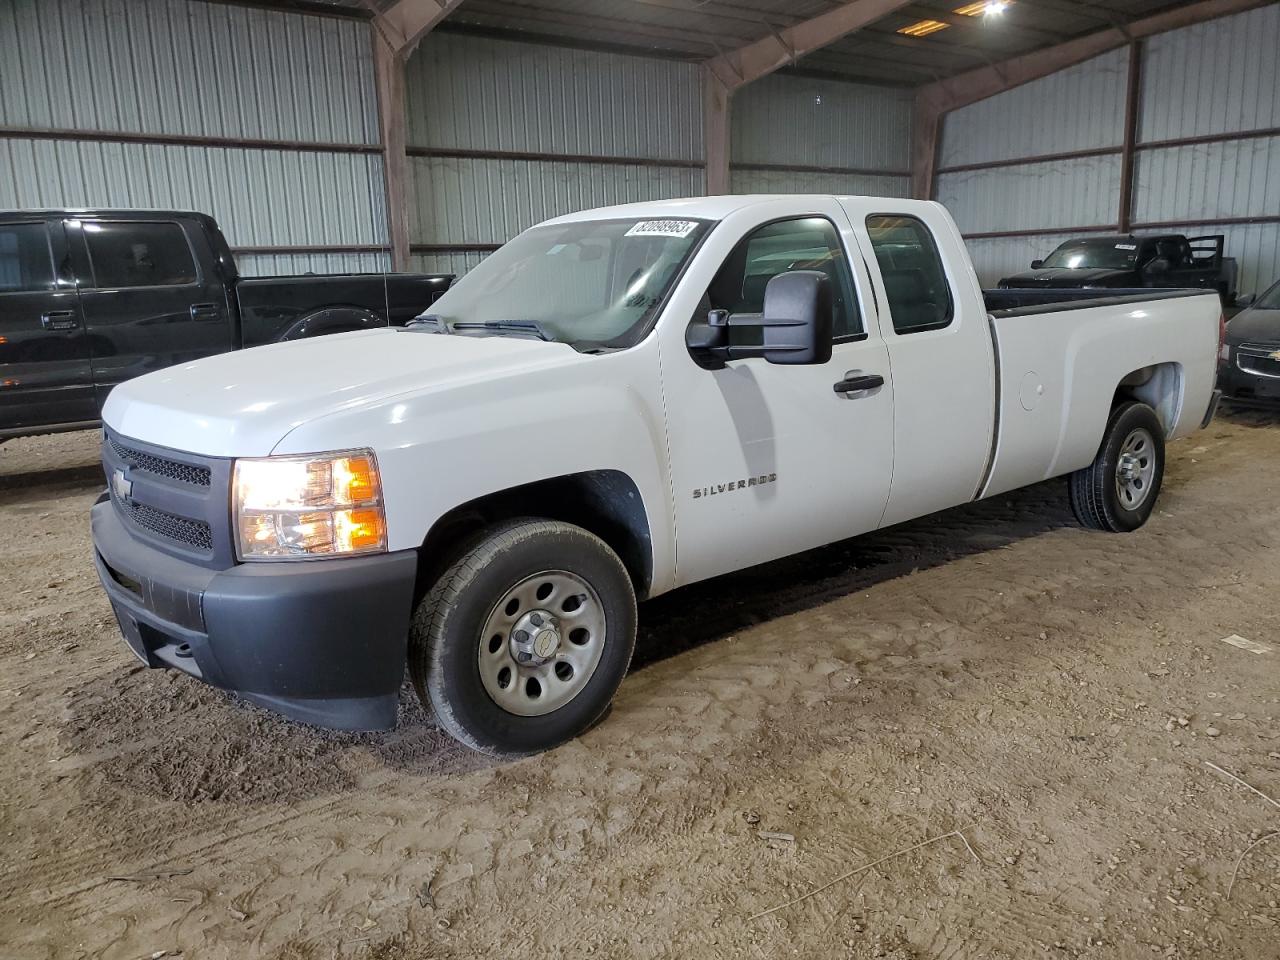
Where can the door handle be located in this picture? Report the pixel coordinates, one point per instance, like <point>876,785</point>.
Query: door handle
<point>855,382</point>
<point>205,311</point>
<point>59,320</point>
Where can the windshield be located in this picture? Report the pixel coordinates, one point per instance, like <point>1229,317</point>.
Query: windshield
<point>593,284</point>
<point>1094,255</point>
<point>1269,300</point>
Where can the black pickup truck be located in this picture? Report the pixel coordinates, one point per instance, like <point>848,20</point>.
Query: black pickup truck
<point>89,298</point>
<point>1170,260</point>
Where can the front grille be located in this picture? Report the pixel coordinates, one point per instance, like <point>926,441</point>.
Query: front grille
<point>162,467</point>
<point>193,533</point>
<point>1258,360</point>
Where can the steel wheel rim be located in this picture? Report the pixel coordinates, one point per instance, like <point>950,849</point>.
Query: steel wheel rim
<point>1136,468</point>
<point>542,642</point>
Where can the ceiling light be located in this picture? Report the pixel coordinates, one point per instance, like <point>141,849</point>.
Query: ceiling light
<point>983,8</point>
<point>922,28</point>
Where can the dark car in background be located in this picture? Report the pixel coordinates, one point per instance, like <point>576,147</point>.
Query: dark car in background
<point>90,298</point>
<point>1169,260</point>
<point>1249,371</point>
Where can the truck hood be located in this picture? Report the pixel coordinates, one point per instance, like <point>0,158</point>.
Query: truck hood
<point>1064,277</point>
<point>242,404</point>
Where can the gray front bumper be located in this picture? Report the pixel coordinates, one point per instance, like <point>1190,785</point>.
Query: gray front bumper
<point>322,641</point>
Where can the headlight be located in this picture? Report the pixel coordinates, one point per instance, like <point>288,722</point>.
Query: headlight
<point>292,508</point>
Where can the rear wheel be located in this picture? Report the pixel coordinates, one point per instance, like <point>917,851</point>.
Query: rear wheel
<point>1118,491</point>
<point>522,642</point>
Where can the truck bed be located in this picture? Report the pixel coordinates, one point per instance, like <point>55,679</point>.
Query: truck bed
<point>271,306</point>
<point>1025,301</point>
<point>1059,362</point>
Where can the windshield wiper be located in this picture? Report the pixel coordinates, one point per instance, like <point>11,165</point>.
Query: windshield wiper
<point>520,326</point>
<point>424,319</point>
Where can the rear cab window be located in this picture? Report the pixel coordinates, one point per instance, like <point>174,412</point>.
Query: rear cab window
<point>139,254</point>
<point>915,280</point>
<point>26,261</point>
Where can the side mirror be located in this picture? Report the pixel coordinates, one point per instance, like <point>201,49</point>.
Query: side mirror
<point>799,316</point>
<point>1037,264</point>
<point>1157,267</point>
<point>797,324</point>
<point>1246,301</point>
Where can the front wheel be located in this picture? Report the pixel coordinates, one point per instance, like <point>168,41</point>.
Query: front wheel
<point>1118,491</point>
<point>523,641</point>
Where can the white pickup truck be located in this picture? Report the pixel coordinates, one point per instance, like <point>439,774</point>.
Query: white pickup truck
<point>615,404</point>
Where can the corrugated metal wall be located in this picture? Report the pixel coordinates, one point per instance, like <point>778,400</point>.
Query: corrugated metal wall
<point>1214,80</point>
<point>800,135</point>
<point>1081,108</point>
<point>198,70</point>
<point>1052,195</point>
<point>566,112</point>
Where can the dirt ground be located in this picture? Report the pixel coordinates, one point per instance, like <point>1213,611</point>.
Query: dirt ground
<point>1051,694</point>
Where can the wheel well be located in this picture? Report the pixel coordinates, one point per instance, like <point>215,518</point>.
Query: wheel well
<point>605,502</point>
<point>1159,386</point>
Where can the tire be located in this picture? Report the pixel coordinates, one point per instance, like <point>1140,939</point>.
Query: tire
<point>493,605</point>
<point>1118,491</point>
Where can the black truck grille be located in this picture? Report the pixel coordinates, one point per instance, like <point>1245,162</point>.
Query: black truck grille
<point>178,502</point>
<point>1259,359</point>
<point>194,533</point>
<point>162,467</point>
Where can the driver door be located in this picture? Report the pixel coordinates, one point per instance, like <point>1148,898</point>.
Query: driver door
<point>769,460</point>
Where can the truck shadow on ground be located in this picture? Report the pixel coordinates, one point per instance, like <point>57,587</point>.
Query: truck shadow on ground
<point>163,735</point>
<point>715,609</point>
<point>36,486</point>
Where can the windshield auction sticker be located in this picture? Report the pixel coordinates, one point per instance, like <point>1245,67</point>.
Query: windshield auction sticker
<point>663,228</point>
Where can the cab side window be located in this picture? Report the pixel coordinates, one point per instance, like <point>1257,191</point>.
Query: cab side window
<point>914,279</point>
<point>25,260</point>
<point>809,243</point>
<point>139,254</point>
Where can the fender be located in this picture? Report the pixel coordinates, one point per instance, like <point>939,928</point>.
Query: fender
<point>328,320</point>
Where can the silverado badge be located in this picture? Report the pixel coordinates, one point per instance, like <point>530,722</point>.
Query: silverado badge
<point>718,488</point>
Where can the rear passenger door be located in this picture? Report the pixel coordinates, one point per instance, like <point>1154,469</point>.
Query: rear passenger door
<point>153,297</point>
<point>45,378</point>
<point>940,351</point>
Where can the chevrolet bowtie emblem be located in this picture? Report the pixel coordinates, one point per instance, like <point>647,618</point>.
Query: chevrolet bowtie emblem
<point>1274,355</point>
<point>121,484</point>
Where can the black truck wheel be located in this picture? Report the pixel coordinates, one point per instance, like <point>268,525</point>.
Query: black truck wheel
<point>522,642</point>
<point>1118,491</point>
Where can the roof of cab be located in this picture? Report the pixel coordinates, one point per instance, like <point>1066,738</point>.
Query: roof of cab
<point>702,208</point>
<point>123,213</point>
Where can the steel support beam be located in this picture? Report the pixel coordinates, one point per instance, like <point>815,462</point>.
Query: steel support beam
<point>408,21</point>
<point>739,67</point>
<point>926,132</point>
<point>1132,106</point>
<point>717,100</point>
<point>935,100</point>
<point>388,68</point>
<point>726,73</point>
<point>397,31</point>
